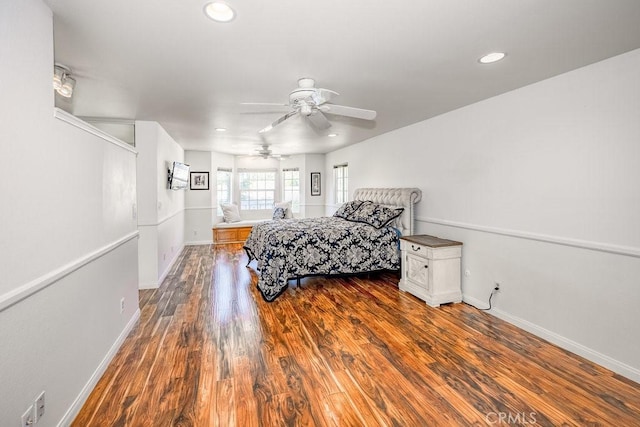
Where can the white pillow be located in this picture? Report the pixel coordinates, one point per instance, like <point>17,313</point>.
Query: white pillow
<point>230,212</point>
<point>286,206</point>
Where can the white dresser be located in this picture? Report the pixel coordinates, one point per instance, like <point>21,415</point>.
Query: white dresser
<point>431,269</point>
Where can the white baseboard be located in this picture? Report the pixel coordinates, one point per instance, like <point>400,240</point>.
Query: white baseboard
<point>165,273</point>
<point>563,342</point>
<point>148,285</point>
<point>73,411</point>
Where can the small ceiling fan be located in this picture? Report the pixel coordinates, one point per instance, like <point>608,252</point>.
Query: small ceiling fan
<point>266,153</point>
<point>313,103</point>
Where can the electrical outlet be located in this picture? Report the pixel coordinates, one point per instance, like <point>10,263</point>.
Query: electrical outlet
<point>29,417</point>
<point>39,409</point>
<point>121,305</point>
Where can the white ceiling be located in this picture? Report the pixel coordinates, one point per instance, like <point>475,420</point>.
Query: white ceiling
<point>163,60</point>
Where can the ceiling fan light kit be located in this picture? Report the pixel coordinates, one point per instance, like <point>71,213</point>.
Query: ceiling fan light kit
<point>311,102</point>
<point>305,109</point>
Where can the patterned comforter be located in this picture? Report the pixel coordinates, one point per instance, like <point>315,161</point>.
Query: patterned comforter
<point>292,248</point>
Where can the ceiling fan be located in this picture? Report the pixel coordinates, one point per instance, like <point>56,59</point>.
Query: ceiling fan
<point>266,153</point>
<point>313,103</point>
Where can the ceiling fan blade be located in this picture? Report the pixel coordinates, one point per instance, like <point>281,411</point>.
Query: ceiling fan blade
<point>265,107</point>
<point>320,96</point>
<point>318,120</point>
<point>341,110</point>
<point>269,104</point>
<point>277,122</point>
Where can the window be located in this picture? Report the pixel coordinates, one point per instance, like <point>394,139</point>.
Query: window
<point>341,183</point>
<point>291,188</point>
<point>223,179</point>
<point>257,189</point>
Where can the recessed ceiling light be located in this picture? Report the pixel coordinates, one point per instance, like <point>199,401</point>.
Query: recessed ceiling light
<point>332,135</point>
<point>221,129</point>
<point>219,11</point>
<point>492,57</point>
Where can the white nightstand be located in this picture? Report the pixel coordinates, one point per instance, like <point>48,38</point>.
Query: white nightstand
<point>431,269</point>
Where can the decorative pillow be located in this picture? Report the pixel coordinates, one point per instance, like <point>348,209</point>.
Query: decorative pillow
<point>396,223</point>
<point>287,208</point>
<point>230,212</point>
<point>347,209</point>
<point>279,213</point>
<point>375,214</point>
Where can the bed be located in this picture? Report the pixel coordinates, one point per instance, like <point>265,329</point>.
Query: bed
<point>358,240</point>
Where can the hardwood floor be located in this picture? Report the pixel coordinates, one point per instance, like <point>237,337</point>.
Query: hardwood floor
<point>356,351</point>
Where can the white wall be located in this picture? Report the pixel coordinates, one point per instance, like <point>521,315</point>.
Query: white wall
<point>542,186</point>
<point>199,212</point>
<point>201,206</point>
<point>218,160</point>
<point>69,239</point>
<point>314,205</point>
<point>161,210</point>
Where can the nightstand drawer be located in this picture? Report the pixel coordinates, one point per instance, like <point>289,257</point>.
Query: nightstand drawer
<point>414,248</point>
<point>430,252</point>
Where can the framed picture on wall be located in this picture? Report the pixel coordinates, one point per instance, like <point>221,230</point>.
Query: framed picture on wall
<point>315,183</point>
<point>199,180</point>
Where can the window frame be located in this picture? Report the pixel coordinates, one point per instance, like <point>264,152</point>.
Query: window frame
<point>294,191</point>
<point>264,203</point>
<point>341,183</point>
<point>229,199</point>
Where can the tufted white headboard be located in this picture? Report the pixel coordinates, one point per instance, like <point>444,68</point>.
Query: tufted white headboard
<point>396,197</point>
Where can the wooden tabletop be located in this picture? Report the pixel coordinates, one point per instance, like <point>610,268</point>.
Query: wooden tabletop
<point>431,241</point>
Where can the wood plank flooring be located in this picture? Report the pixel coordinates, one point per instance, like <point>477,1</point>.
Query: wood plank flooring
<point>354,351</point>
